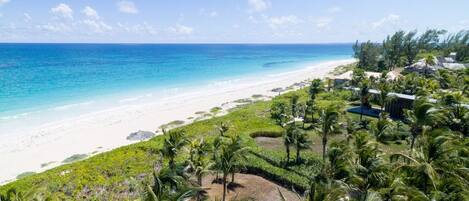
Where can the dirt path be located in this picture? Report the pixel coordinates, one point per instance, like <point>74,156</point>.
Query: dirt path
<point>248,187</point>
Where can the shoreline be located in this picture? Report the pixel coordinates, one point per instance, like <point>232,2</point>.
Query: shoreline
<point>101,131</point>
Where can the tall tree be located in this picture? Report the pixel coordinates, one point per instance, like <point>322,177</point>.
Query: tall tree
<point>364,95</point>
<point>429,61</point>
<point>278,111</point>
<point>328,121</point>
<point>173,142</point>
<point>393,49</point>
<point>288,139</point>
<point>301,142</point>
<point>419,117</point>
<point>410,47</point>
<point>294,105</point>
<point>314,89</point>
<point>368,54</point>
<point>230,154</point>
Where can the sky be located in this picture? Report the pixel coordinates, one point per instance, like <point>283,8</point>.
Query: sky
<point>223,21</point>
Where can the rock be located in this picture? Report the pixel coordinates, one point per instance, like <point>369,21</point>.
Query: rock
<point>140,135</point>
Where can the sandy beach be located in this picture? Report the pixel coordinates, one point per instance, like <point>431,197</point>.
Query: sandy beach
<point>48,145</point>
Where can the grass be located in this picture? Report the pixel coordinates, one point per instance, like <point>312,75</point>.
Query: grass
<point>172,124</point>
<point>74,158</point>
<point>25,174</point>
<point>215,110</point>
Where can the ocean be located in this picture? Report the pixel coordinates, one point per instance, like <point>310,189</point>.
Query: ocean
<point>47,82</point>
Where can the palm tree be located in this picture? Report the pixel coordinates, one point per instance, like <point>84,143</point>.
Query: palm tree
<point>278,111</point>
<point>371,171</point>
<point>328,121</point>
<point>384,98</point>
<point>173,142</point>
<point>288,139</point>
<point>429,61</point>
<point>435,159</point>
<point>364,94</point>
<point>216,145</point>
<point>315,88</point>
<point>382,129</point>
<point>199,163</point>
<point>301,141</point>
<point>229,156</point>
<point>420,116</point>
<point>223,128</point>
<point>323,188</point>
<point>294,105</point>
<point>167,186</point>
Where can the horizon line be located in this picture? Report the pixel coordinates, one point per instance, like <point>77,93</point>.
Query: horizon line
<point>177,43</point>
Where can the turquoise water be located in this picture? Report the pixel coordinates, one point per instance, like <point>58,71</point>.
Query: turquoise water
<point>48,77</point>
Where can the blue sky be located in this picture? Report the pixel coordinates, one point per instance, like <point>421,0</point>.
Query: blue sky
<point>223,21</point>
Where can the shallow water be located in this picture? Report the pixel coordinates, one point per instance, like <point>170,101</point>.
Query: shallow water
<point>45,82</point>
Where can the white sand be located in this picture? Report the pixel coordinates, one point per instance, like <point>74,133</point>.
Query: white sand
<point>105,130</point>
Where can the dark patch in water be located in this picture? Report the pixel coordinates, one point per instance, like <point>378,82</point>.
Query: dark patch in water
<point>275,63</point>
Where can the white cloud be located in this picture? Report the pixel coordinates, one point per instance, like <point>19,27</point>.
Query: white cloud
<point>97,26</point>
<point>235,26</point>
<point>140,29</point>
<point>127,7</point>
<point>282,21</point>
<point>181,29</point>
<point>26,17</point>
<point>4,2</point>
<point>390,19</point>
<point>213,14</point>
<point>258,5</point>
<point>90,12</point>
<point>334,9</point>
<point>204,12</point>
<point>56,27</point>
<point>322,22</point>
<point>63,10</point>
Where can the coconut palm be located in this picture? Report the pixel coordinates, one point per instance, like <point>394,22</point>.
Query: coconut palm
<point>301,141</point>
<point>288,139</point>
<point>173,142</point>
<point>371,171</point>
<point>435,159</point>
<point>294,105</point>
<point>314,89</point>
<point>230,154</point>
<point>384,97</point>
<point>429,61</point>
<point>328,121</point>
<point>456,116</point>
<point>325,189</point>
<point>420,116</point>
<point>216,145</point>
<point>364,95</point>
<point>197,160</point>
<point>382,129</point>
<point>168,186</point>
<point>223,128</point>
<point>278,111</point>
<point>200,166</point>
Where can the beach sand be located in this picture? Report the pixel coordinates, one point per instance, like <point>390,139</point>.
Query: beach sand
<point>47,146</point>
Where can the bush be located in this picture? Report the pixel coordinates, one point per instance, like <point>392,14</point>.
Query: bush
<point>273,134</point>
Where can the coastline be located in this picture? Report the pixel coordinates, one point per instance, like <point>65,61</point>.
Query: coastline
<point>105,130</point>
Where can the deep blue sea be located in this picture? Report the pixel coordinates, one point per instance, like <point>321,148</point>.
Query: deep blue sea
<point>43,77</point>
